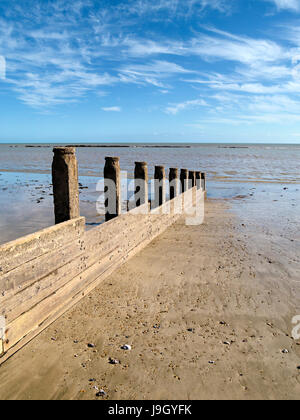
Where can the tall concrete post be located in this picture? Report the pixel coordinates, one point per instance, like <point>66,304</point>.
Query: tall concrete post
<point>174,183</point>
<point>184,180</point>
<point>65,184</point>
<point>112,187</point>
<point>160,185</point>
<point>203,181</point>
<point>198,180</point>
<point>141,183</point>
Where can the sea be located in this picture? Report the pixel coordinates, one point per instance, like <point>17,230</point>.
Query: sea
<point>234,171</point>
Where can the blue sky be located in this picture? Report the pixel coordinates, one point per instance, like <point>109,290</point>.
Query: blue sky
<point>150,70</point>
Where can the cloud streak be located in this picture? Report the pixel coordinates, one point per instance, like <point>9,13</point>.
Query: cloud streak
<point>62,52</point>
<point>176,108</point>
<point>112,109</point>
<point>292,5</point>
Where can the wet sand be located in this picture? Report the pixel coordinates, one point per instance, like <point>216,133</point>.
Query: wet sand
<point>207,310</point>
<point>26,203</point>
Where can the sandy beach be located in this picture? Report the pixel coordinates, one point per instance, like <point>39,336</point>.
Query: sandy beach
<point>149,202</point>
<point>207,311</point>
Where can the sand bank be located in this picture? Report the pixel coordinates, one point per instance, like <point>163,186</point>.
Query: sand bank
<point>221,292</point>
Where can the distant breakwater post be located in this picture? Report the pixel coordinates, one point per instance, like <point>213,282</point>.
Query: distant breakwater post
<point>184,179</point>
<point>44,274</point>
<point>159,186</point>
<point>65,184</point>
<point>174,183</point>
<point>203,181</point>
<point>141,184</point>
<point>112,188</point>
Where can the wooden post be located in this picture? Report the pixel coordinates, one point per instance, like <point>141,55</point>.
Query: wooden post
<point>174,183</point>
<point>112,187</point>
<point>160,185</point>
<point>65,184</point>
<point>203,181</point>
<point>198,180</point>
<point>184,178</point>
<point>141,183</point>
<point>192,179</point>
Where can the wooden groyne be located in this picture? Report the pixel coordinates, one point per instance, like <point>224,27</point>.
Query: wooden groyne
<point>43,274</point>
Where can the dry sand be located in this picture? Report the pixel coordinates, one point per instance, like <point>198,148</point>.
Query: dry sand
<point>177,303</point>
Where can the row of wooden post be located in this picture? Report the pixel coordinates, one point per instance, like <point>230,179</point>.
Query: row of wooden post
<point>66,191</point>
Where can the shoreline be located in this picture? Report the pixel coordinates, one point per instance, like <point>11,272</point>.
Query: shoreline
<point>131,176</point>
<point>26,202</point>
<point>227,281</point>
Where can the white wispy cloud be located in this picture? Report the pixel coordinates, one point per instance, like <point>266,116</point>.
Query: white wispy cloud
<point>112,109</point>
<point>2,67</point>
<point>293,5</point>
<point>175,108</point>
<point>68,57</point>
<point>72,48</point>
<point>245,50</point>
<point>234,109</point>
<point>153,73</point>
<point>174,7</point>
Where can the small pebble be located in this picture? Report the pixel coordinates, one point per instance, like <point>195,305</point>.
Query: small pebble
<point>113,361</point>
<point>91,346</point>
<point>211,362</point>
<point>285,351</point>
<point>126,347</point>
<point>101,393</point>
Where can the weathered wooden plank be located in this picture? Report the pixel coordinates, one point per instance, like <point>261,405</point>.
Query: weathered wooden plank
<point>31,320</point>
<point>103,251</point>
<point>10,350</point>
<point>27,274</point>
<point>113,227</point>
<point>18,252</point>
<point>21,302</point>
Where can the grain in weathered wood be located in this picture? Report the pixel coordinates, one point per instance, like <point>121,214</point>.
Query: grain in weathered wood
<point>103,250</point>
<point>18,252</point>
<point>14,306</point>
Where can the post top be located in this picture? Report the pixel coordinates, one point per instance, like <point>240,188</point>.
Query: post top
<point>159,172</point>
<point>110,159</point>
<point>184,171</point>
<point>141,163</point>
<point>174,170</point>
<point>60,150</point>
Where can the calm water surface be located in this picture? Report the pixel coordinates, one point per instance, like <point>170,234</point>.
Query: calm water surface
<point>247,171</point>
<point>279,163</point>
